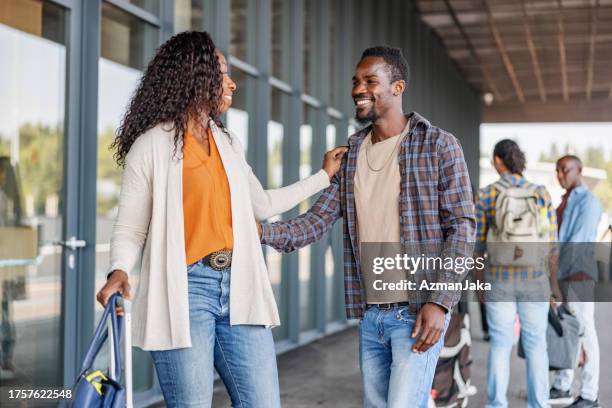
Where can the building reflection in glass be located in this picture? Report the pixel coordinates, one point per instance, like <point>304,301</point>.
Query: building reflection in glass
<point>33,83</point>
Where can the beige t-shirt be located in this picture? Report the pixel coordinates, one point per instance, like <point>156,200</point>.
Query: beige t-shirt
<point>377,191</point>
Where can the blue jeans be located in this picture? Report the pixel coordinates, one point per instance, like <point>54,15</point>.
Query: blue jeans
<point>392,374</point>
<point>243,355</point>
<point>534,322</point>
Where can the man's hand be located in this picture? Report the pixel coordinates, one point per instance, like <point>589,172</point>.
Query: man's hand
<point>430,324</point>
<point>556,294</point>
<point>333,159</point>
<point>259,230</point>
<point>117,282</point>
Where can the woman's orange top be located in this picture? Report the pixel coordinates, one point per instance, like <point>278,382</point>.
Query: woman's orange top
<point>207,207</point>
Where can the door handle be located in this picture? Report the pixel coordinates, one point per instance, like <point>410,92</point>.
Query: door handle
<point>72,243</point>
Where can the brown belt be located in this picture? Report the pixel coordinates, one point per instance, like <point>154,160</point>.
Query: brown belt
<point>386,306</point>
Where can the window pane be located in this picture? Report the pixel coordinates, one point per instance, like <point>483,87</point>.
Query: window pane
<point>333,47</point>
<point>334,289</point>
<point>127,45</point>
<point>33,83</point>
<point>239,18</point>
<point>351,130</point>
<point>237,115</point>
<point>280,19</point>
<point>308,45</point>
<point>151,6</point>
<point>337,133</point>
<point>126,40</point>
<point>275,138</point>
<point>330,143</point>
<point>307,320</point>
<point>330,294</point>
<point>188,15</point>
<point>330,137</point>
<point>276,132</point>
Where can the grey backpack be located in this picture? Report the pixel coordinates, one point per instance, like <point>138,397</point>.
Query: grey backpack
<point>564,337</point>
<point>520,227</point>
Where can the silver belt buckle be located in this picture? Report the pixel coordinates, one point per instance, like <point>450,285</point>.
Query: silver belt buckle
<point>220,260</point>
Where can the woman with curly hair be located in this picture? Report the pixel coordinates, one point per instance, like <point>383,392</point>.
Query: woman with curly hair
<point>188,209</point>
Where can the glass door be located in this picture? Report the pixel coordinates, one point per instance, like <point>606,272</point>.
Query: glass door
<point>33,47</point>
<point>127,44</point>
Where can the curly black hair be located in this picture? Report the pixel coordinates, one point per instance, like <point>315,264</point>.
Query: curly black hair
<point>393,56</point>
<point>182,81</point>
<point>511,155</point>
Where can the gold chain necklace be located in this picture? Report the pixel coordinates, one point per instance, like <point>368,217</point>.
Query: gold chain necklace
<point>399,138</point>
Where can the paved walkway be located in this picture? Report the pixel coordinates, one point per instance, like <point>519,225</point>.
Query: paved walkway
<point>326,373</point>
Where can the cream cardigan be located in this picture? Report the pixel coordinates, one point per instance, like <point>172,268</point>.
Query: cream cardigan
<point>150,223</point>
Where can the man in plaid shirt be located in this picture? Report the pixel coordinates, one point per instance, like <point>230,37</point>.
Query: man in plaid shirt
<point>403,180</point>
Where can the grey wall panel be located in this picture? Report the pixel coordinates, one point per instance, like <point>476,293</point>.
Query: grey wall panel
<point>436,88</point>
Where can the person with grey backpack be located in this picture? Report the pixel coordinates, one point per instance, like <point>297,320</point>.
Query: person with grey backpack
<point>516,232</point>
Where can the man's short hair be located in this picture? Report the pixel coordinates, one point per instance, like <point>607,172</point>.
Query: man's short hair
<point>573,158</point>
<point>398,66</point>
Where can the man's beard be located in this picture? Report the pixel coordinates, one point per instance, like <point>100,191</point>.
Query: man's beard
<point>369,118</point>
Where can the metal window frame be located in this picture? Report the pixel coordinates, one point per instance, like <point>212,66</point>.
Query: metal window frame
<point>334,113</point>
<point>236,62</point>
<point>310,101</point>
<point>76,319</point>
<point>282,85</point>
<point>68,276</point>
<point>136,11</point>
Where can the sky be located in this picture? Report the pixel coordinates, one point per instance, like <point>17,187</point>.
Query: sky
<point>32,80</point>
<point>536,138</point>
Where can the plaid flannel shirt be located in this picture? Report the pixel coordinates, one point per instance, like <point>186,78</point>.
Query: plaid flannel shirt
<point>435,204</point>
<point>485,216</point>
